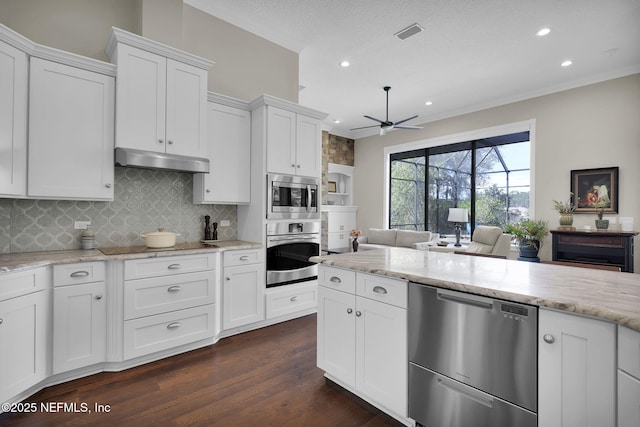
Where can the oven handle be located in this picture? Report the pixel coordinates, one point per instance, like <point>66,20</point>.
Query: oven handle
<point>288,238</point>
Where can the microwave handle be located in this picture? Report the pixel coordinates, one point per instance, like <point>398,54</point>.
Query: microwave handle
<point>308,198</point>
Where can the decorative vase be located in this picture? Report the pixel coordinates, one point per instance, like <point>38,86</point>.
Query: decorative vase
<point>566,219</point>
<point>602,224</point>
<point>355,244</point>
<point>529,251</point>
<point>341,188</point>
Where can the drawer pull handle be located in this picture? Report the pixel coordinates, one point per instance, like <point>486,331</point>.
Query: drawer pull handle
<point>379,290</point>
<point>174,266</point>
<point>81,273</point>
<point>173,325</point>
<point>293,299</point>
<point>335,279</point>
<point>244,258</point>
<point>99,296</point>
<point>174,289</point>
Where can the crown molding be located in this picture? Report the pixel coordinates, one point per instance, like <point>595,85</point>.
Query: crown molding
<point>265,100</point>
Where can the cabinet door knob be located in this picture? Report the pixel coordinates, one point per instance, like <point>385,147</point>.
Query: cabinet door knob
<point>227,278</point>
<point>548,338</point>
<point>99,296</point>
<point>107,185</point>
<point>293,165</point>
<point>349,310</point>
<point>1,320</point>
<point>358,313</point>
<point>170,141</point>
<point>208,190</point>
<point>298,166</point>
<point>161,141</point>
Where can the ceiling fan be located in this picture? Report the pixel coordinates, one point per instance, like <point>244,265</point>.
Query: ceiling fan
<point>386,125</point>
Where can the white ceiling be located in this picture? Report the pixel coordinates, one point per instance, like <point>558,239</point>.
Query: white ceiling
<point>473,54</point>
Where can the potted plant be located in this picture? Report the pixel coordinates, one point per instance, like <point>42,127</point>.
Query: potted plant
<point>528,234</point>
<point>601,224</point>
<point>565,209</point>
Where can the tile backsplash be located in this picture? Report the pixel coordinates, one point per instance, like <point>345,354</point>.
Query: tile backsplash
<point>144,200</point>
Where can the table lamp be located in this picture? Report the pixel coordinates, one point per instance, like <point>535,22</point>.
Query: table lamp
<point>458,215</point>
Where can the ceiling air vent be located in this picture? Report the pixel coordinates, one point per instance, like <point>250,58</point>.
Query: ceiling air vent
<point>411,30</point>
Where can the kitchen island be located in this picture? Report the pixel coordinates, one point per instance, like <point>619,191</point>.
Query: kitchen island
<point>588,339</point>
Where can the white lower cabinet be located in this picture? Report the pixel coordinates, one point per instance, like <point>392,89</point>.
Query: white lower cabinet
<point>628,377</point>
<point>243,288</point>
<point>576,371</point>
<point>23,342</point>
<point>79,315</point>
<point>362,335</point>
<point>168,302</point>
<point>284,300</point>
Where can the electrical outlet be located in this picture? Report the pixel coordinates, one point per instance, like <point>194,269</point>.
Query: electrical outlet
<point>225,223</point>
<point>81,225</point>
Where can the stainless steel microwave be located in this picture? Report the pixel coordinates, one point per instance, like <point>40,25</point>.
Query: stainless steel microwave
<point>292,197</point>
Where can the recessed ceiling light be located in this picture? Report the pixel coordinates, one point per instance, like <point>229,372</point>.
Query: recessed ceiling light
<point>344,64</point>
<point>543,31</point>
<point>566,63</point>
<point>428,103</point>
<point>336,121</point>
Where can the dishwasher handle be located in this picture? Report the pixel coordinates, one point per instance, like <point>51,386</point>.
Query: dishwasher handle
<point>467,299</point>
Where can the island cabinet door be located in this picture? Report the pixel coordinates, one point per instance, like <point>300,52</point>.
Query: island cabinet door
<point>337,334</point>
<point>576,371</point>
<point>381,353</point>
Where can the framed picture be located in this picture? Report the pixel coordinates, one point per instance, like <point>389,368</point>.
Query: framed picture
<point>331,186</point>
<point>595,188</point>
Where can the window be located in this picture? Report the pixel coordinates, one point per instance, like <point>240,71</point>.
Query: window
<point>489,177</point>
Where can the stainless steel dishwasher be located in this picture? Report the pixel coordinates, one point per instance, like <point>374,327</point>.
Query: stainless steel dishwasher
<point>472,360</point>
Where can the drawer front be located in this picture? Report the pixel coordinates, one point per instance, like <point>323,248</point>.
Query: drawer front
<point>337,278</point>
<point>164,331</point>
<point>153,267</point>
<point>249,256</point>
<point>338,240</point>
<point>75,274</point>
<point>22,282</point>
<point>155,295</point>
<point>383,289</point>
<point>280,303</point>
<point>608,241</point>
<point>629,351</point>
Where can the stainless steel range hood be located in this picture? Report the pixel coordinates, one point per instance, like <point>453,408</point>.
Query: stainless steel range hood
<point>151,160</point>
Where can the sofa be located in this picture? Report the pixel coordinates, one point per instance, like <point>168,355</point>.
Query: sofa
<point>377,238</point>
<point>485,240</point>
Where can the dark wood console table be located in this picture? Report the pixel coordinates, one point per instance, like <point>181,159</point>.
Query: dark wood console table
<point>602,247</point>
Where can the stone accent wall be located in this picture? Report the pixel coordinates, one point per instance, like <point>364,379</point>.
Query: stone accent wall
<point>144,200</point>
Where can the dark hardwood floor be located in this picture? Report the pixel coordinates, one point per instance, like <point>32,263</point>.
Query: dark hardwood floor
<point>266,377</point>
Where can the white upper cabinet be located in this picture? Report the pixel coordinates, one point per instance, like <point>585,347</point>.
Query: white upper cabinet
<point>294,143</point>
<point>161,96</point>
<point>229,140</point>
<point>13,121</point>
<point>70,132</point>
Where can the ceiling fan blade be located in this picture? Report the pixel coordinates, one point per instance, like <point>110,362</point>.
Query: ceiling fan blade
<point>407,119</point>
<point>408,127</point>
<point>374,119</point>
<point>366,127</point>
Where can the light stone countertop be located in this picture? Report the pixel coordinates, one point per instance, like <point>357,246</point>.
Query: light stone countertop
<point>607,295</point>
<point>23,261</point>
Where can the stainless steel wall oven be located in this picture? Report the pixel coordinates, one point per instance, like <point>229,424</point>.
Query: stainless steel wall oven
<point>289,247</point>
<point>292,197</point>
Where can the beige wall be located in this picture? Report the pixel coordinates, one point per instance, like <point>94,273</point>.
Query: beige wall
<point>588,127</point>
<point>246,65</point>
